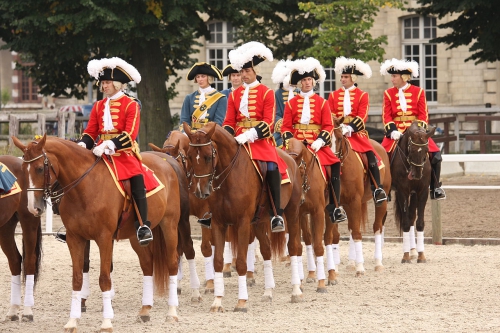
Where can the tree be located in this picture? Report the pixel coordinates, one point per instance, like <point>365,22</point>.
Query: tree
<point>4,98</point>
<point>344,30</point>
<point>477,23</point>
<point>157,37</point>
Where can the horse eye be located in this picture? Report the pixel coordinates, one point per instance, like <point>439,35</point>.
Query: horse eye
<point>208,159</point>
<point>39,169</point>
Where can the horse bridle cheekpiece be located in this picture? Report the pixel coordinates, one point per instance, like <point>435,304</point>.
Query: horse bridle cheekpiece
<point>411,143</point>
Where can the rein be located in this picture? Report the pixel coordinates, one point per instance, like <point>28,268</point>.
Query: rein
<point>405,157</point>
<point>342,147</point>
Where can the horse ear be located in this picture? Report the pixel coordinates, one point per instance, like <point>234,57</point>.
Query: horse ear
<point>430,131</point>
<point>211,129</point>
<point>19,144</point>
<point>187,129</point>
<point>175,152</point>
<point>155,147</point>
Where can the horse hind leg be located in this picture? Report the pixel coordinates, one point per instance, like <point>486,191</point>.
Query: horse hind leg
<point>8,244</point>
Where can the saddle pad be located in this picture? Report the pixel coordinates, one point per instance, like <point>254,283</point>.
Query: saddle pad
<point>8,181</point>
<point>15,189</point>
<point>282,166</point>
<point>151,182</point>
<point>364,165</point>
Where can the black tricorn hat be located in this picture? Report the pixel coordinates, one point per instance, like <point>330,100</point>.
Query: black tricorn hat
<point>351,70</point>
<point>229,70</point>
<point>204,68</point>
<point>113,69</point>
<point>115,74</point>
<point>295,76</point>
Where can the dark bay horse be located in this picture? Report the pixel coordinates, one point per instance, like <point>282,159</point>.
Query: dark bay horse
<point>90,209</point>
<point>356,192</point>
<point>225,176</point>
<point>411,177</point>
<point>14,209</point>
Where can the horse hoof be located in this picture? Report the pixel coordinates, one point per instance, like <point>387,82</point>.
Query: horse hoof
<point>144,319</point>
<point>244,310</point>
<point>84,308</point>
<point>310,280</point>
<point>360,274</point>
<point>332,282</point>
<point>379,268</point>
<point>12,318</point>
<point>421,261</point>
<point>321,290</point>
<point>209,291</point>
<point>172,319</point>
<point>226,274</point>
<point>179,291</point>
<point>233,269</point>
<point>196,299</point>
<point>70,330</point>
<point>350,268</point>
<point>287,264</point>
<point>266,298</point>
<point>106,330</point>
<point>27,318</point>
<point>250,282</point>
<point>215,309</point>
<point>297,298</point>
<point>406,261</point>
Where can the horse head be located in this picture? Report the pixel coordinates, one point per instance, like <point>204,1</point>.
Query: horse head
<point>202,156</point>
<point>36,168</point>
<point>176,145</point>
<point>416,140</point>
<point>337,134</point>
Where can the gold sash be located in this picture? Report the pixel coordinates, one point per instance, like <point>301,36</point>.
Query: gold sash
<point>206,105</point>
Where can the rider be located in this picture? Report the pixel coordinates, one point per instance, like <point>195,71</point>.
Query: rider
<point>234,77</point>
<point>250,117</point>
<point>403,104</point>
<point>116,120</point>
<point>204,105</point>
<point>352,103</point>
<point>307,118</point>
<point>281,96</point>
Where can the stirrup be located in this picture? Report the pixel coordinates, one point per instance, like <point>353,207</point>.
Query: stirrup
<point>338,215</point>
<point>438,194</point>
<point>144,235</point>
<point>379,196</point>
<point>277,224</point>
<point>206,220</point>
<point>60,236</point>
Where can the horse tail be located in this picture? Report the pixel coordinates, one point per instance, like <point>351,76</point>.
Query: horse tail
<point>38,254</point>
<point>397,213</point>
<point>160,266</point>
<point>364,216</point>
<point>278,242</point>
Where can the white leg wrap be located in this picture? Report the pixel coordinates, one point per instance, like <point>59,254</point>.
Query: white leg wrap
<point>76,305</point>
<point>336,254</point>
<point>268,274</point>
<point>242,287</point>
<point>300,268</point>
<point>378,246</point>
<point>320,268</point>
<point>352,249</point>
<point>173,300</point>
<point>107,309</point>
<point>359,252</point>
<point>29,300</point>
<point>311,266</point>
<point>219,284</point>
<point>15,290</point>
<point>406,242</point>
<point>251,257</point>
<point>295,270</point>
<point>228,254</point>
<point>420,241</point>
<point>194,281</point>
<point>412,237</point>
<point>85,293</point>
<point>180,275</point>
<point>147,290</point>
<point>209,268</point>
<point>330,263</point>
<point>287,237</point>
<point>213,253</point>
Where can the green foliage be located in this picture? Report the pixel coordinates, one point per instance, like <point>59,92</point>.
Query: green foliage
<point>4,98</point>
<point>344,30</point>
<point>476,26</point>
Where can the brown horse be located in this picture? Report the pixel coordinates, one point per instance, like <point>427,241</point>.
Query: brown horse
<point>225,176</point>
<point>93,214</point>
<point>314,200</point>
<point>13,209</point>
<point>356,192</point>
<point>411,177</point>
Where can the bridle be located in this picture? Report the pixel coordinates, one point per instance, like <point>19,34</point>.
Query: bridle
<point>212,175</point>
<point>343,150</point>
<point>405,157</point>
<point>183,159</point>
<point>55,196</point>
<point>303,164</point>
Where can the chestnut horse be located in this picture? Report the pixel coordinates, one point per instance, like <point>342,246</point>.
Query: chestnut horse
<point>13,209</point>
<point>411,177</point>
<point>356,192</point>
<point>225,176</point>
<point>91,207</point>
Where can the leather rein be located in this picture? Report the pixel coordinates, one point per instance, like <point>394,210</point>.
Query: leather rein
<point>405,157</point>
<point>183,159</point>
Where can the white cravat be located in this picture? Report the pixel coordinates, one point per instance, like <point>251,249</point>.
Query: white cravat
<point>204,91</point>
<point>402,98</point>
<point>347,100</point>
<point>244,99</point>
<point>306,108</point>
<point>291,94</point>
<point>108,121</point>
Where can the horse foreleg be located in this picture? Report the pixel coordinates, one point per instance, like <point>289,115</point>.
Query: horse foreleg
<point>413,244</point>
<point>218,233</point>
<point>194,282</point>
<point>207,251</point>
<point>228,259</point>
<point>422,200</point>
<point>8,244</point>
<point>378,252</point>
<point>251,264</point>
<point>105,245</point>
<point>351,263</point>
<point>331,240</point>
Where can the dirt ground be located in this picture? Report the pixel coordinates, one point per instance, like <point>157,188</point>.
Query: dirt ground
<point>453,292</point>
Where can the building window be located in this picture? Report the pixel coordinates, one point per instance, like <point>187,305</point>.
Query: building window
<point>417,32</point>
<point>329,84</point>
<point>218,47</point>
<point>29,91</point>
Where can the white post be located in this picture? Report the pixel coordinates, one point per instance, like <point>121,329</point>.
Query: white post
<point>48,217</point>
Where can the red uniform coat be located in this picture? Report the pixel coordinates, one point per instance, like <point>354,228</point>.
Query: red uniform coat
<point>416,109</point>
<point>320,115</point>
<point>360,105</point>
<point>126,119</point>
<point>261,107</point>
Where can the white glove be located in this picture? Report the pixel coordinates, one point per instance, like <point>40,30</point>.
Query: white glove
<point>250,135</point>
<point>317,144</point>
<point>82,144</point>
<point>396,135</point>
<point>107,147</point>
<point>347,130</point>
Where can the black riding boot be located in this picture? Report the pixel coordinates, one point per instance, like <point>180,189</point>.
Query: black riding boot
<point>144,234</point>
<point>437,193</point>
<point>206,220</point>
<point>274,181</point>
<point>379,195</point>
<point>337,213</point>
